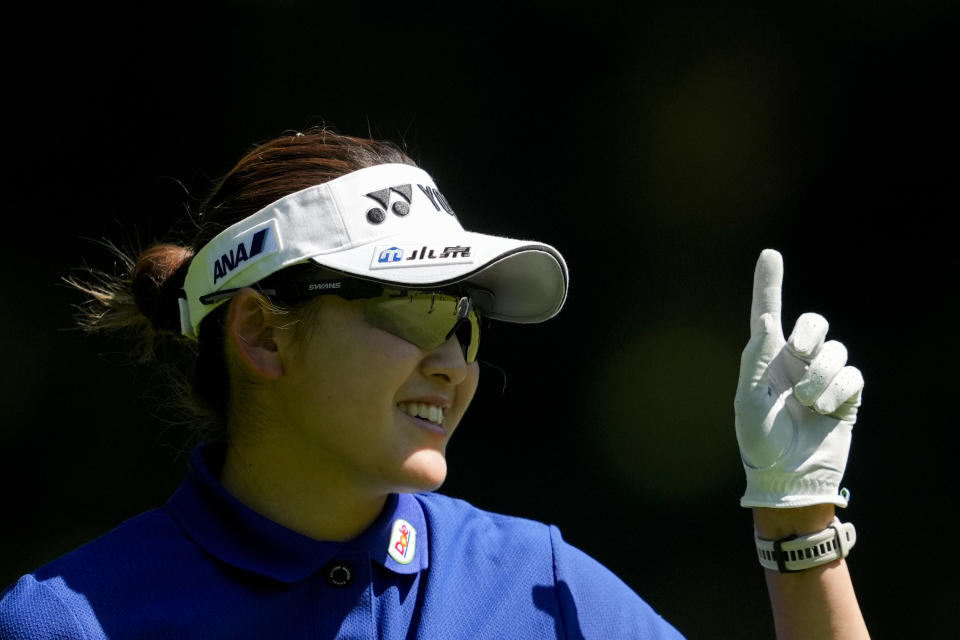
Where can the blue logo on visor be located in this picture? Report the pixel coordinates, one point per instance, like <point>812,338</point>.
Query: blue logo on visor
<point>393,254</point>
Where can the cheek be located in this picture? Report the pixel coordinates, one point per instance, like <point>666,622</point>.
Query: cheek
<point>465,393</point>
<point>357,370</point>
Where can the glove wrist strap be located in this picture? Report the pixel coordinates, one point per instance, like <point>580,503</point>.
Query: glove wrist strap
<point>797,553</point>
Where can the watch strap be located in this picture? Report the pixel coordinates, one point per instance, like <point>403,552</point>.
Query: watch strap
<point>796,553</point>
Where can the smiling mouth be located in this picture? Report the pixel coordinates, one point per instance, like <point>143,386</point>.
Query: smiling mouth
<point>430,412</point>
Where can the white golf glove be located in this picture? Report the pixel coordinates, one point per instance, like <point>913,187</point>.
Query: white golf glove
<point>796,403</point>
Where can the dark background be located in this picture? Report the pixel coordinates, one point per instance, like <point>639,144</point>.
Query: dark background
<point>659,147</point>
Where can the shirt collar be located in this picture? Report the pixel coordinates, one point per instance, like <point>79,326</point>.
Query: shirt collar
<point>231,531</point>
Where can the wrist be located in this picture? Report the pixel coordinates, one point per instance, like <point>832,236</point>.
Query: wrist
<point>776,489</point>
<point>774,524</point>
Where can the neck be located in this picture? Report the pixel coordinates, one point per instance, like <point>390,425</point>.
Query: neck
<point>299,492</point>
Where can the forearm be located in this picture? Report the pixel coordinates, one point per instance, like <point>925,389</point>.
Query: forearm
<point>815,603</point>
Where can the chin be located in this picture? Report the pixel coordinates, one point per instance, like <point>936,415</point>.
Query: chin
<point>425,470</point>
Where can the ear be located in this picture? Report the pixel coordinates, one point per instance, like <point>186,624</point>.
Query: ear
<point>250,335</point>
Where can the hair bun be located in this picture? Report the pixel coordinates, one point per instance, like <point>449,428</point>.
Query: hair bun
<point>156,280</point>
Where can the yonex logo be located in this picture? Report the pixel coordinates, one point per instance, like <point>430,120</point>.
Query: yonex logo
<point>376,215</point>
<point>242,253</point>
<point>436,199</point>
<point>392,254</point>
<point>401,206</point>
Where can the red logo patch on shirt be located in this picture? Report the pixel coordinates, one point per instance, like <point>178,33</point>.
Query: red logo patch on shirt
<point>403,541</point>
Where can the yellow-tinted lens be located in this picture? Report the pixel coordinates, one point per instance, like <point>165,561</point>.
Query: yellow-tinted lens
<point>474,345</point>
<point>426,319</point>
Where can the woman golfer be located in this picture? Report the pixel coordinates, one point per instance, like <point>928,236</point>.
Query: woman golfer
<point>332,305</point>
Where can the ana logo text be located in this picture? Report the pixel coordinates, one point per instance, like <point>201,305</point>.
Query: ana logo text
<point>242,253</point>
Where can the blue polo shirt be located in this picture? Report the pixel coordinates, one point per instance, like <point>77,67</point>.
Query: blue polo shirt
<point>206,566</point>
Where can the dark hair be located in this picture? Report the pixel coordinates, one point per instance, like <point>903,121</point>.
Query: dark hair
<point>142,300</point>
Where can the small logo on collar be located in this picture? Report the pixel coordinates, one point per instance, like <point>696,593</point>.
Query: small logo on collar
<point>403,542</point>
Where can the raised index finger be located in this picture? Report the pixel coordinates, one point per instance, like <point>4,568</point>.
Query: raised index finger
<point>767,282</point>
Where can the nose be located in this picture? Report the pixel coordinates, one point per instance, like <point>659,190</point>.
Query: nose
<point>446,362</point>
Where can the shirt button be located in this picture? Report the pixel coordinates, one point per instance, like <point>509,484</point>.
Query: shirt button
<point>339,574</point>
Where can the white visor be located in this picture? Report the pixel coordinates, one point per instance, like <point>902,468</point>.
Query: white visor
<point>387,224</point>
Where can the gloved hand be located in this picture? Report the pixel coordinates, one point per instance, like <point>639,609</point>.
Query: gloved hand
<point>796,403</point>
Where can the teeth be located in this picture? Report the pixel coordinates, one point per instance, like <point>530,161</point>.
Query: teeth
<point>430,412</point>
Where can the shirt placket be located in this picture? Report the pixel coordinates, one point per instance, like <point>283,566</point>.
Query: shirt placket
<point>346,594</point>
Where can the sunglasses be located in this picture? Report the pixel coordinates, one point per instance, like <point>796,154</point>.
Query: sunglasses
<point>426,318</point>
